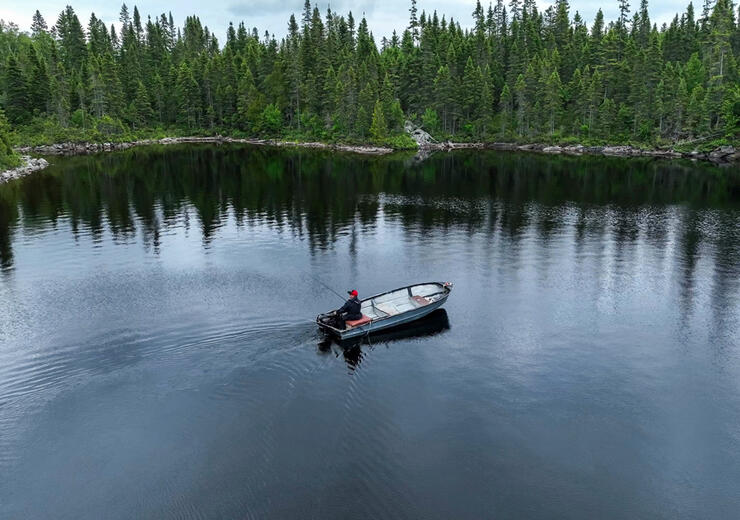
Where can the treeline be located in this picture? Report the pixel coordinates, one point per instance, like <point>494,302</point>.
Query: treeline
<point>517,74</point>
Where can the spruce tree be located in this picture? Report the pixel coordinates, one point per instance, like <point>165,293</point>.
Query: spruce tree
<point>38,25</point>
<point>506,106</point>
<point>17,103</point>
<point>696,116</point>
<point>188,97</point>
<point>413,22</point>
<point>8,158</point>
<point>71,39</point>
<point>140,111</point>
<point>378,127</point>
<point>553,101</point>
<point>326,76</point>
<point>38,84</point>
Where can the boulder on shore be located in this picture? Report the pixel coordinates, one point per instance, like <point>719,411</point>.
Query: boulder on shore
<point>28,166</point>
<point>422,138</point>
<point>722,154</point>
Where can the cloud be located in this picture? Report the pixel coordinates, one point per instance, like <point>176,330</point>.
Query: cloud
<point>383,16</point>
<point>261,8</point>
<point>265,8</point>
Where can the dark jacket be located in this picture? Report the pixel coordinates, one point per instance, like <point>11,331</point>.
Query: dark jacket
<point>353,308</point>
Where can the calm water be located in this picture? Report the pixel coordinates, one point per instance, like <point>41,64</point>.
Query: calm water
<point>158,357</point>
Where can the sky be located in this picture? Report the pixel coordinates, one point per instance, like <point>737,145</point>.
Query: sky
<point>383,16</point>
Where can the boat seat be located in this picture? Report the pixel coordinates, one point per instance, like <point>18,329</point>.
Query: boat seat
<point>421,300</point>
<point>356,323</point>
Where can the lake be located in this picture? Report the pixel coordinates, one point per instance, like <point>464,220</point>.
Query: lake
<point>159,356</point>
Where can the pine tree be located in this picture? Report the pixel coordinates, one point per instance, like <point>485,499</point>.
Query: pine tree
<point>188,97</point>
<point>622,80</point>
<point>249,103</point>
<point>681,107</point>
<point>113,90</point>
<point>378,127</point>
<point>97,89</point>
<point>624,11</point>
<point>72,39</point>
<point>694,72</point>
<point>696,114</point>
<point>8,158</point>
<point>470,90</point>
<point>506,105</point>
<point>444,95</point>
<point>16,93</point>
<point>553,100</point>
<point>396,118</point>
<point>485,109</point>
<point>361,122</point>
<point>124,17</point>
<point>38,84</point>
<point>140,111</point>
<point>413,23</point>
<point>523,105</point>
<point>605,119</point>
<point>38,25</point>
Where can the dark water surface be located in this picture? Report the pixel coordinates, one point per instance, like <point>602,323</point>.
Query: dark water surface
<point>158,357</point>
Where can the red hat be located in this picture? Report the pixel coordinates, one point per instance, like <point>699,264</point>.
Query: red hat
<point>353,292</point>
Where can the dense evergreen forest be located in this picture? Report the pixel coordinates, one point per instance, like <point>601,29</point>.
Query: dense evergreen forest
<point>517,75</point>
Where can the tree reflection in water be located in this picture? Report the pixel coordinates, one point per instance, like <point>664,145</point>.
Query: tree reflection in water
<point>319,195</point>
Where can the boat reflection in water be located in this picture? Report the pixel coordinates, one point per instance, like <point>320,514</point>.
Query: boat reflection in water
<point>433,323</point>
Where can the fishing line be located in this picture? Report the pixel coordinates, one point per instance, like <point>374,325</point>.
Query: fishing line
<point>327,287</point>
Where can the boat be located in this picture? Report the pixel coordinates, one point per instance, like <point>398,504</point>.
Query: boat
<point>390,309</point>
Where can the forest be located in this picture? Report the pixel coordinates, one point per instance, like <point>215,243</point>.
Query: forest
<point>514,74</point>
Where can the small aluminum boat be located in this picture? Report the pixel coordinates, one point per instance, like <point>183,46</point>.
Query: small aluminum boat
<point>390,309</point>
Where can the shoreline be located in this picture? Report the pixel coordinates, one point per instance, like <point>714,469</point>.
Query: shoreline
<point>723,155</point>
<point>719,156</point>
<point>28,166</point>
<point>86,148</point>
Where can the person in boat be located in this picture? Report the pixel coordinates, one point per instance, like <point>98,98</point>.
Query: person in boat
<point>351,310</point>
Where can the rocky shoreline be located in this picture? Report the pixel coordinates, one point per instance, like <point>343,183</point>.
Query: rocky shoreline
<point>89,148</point>
<point>428,144</point>
<point>28,165</point>
<point>720,155</point>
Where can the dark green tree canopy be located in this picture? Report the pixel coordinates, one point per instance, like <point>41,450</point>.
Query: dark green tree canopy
<point>512,72</point>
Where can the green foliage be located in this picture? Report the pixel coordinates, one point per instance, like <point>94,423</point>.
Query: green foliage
<point>110,128</point>
<point>530,76</point>
<point>8,158</point>
<point>430,121</point>
<point>401,142</point>
<point>17,105</point>
<point>140,111</point>
<point>272,119</point>
<point>378,128</point>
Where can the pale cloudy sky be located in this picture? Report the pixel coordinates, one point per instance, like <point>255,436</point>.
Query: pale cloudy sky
<point>383,15</point>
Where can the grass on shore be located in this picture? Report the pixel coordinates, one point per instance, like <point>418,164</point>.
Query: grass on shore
<point>47,131</point>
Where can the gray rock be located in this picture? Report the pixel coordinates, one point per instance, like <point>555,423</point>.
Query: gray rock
<point>28,166</point>
<point>552,149</point>
<point>618,150</point>
<point>423,139</point>
<point>721,154</point>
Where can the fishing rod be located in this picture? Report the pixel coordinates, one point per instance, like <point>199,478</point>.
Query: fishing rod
<point>329,288</point>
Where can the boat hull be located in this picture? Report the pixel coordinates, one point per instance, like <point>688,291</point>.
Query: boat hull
<point>392,321</point>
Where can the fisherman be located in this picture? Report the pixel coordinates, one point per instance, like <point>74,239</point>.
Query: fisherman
<point>351,310</point>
